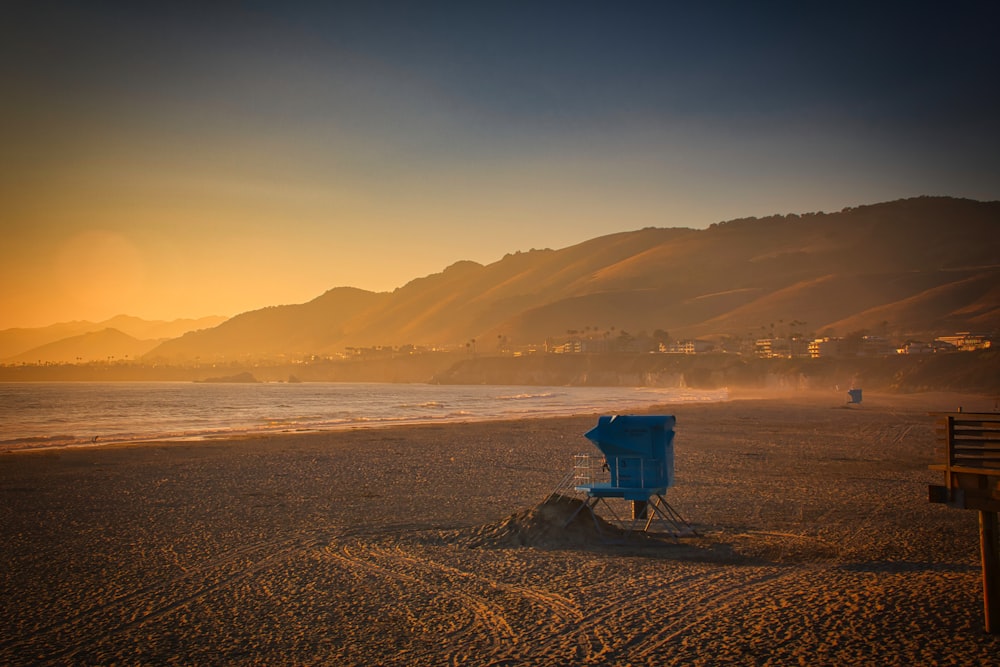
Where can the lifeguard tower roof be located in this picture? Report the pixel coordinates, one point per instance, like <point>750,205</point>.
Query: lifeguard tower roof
<point>639,454</point>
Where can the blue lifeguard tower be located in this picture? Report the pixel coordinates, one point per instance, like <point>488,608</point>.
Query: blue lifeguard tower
<point>637,466</point>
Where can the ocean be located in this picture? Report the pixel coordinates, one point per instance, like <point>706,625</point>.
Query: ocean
<point>60,414</point>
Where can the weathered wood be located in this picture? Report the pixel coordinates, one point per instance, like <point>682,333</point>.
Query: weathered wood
<point>990,556</point>
<point>975,435</point>
<point>970,470</point>
<point>977,444</point>
<point>972,481</point>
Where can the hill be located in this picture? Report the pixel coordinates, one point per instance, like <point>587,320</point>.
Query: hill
<point>108,344</point>
<point>23,343</point>
<point>917,268</point>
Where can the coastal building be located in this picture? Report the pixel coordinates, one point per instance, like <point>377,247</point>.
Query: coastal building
<point>824,347</point>
<point>915,347</point>
<point>965,341</point>
<point>874,346</point>
<point>781,348</point>
<point>686,347</point>
<point>572,346</point>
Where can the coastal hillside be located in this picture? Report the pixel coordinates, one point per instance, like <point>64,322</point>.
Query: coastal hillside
<point>911,268</point>
<point>32,344</point>
<point>104,345</point>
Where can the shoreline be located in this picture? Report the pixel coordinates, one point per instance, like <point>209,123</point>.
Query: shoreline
<point>95,419</point>
<point>949,402</point>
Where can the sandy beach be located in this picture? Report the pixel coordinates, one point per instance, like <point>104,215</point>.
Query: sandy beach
<point>415,546</point>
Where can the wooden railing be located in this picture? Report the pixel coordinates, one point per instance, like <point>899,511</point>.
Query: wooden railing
<point>971,452</point>
<point>971,449</point>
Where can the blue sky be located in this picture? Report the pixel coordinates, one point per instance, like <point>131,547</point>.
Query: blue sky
<point>171,159</point>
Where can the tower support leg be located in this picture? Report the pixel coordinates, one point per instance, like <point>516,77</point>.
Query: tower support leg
<point>990,553</point>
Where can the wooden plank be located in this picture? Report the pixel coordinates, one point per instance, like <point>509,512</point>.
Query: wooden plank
<point>978,442</point>
<point>980,503</point>
<point>975,434</point>
<point>968,430</point>
<point>950,441</point>
<point>969,470</point>
<point>971,502</point>
<point>988,416</point>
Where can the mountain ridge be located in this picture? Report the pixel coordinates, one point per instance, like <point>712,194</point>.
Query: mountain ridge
<point>104,345</point>
<point>912,268</point>
<point>22,342</point>
<point>927,262</point>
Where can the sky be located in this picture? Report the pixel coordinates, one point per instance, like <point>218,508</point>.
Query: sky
<point>180,159</point>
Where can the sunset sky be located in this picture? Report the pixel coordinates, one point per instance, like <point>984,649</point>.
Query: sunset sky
<point>171,160</point>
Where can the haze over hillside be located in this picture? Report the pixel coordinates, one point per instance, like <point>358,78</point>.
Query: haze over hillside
<point>69,341</point>
<point>104,345</point>
<point>917,267</point>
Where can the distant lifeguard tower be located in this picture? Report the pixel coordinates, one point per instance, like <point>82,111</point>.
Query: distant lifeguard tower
<point>636,465</point>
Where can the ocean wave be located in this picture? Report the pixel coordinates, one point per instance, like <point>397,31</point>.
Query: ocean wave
<point>40,441</point>
<point>105,413</point>
<point>424,404</point>
<point>527,396</point>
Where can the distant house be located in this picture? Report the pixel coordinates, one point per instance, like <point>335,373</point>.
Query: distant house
<point>596,345</point>
<point>874,346</point>
<point>763,348</point>
<point>572,346</point>
<point>965,341</point>
<point>687,347</point>
<point>915,347</point>
<point>781,348</point>
<point>824,347</point>
<point>798,347</point>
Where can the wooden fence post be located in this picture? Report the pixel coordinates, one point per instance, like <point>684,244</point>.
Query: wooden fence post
<point>988,536</point>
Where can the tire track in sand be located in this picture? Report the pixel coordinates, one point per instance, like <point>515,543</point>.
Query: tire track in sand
<point>63,639</point>
<point>589,640</point>
<point>699,609</point>
<point>557,605</point>
<point>487,622</point>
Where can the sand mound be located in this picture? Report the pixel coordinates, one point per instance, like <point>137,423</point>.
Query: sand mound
<point>558,521</point>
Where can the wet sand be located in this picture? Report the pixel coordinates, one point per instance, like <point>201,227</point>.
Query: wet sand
<point>816,545</point>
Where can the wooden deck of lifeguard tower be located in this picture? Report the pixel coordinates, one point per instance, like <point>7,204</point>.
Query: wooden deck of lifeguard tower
<point>971,468</point>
